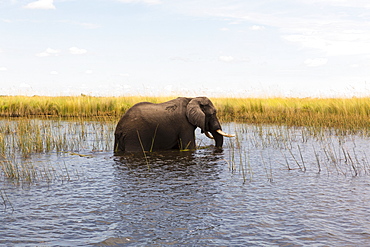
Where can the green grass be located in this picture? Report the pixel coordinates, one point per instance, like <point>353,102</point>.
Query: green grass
<point>23,139</point>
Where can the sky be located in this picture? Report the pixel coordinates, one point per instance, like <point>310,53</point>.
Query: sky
<point>230,48</point>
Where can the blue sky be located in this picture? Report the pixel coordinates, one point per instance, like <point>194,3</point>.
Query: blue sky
<point>300,48</point>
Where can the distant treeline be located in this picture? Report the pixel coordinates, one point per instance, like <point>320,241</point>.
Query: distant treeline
<point>342,113</point>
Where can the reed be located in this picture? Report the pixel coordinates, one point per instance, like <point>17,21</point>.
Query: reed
<point>69,106</point>
<point>23,138</point>
<point>339,113</point>
<point>305,149</point>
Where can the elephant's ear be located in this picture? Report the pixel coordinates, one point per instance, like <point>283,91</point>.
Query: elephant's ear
<point>195,114</point>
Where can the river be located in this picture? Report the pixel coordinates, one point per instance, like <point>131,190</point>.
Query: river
<point>270,186</point>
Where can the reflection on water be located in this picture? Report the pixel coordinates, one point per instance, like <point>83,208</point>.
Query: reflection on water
<point>171,202</point>
<point>252,194</point>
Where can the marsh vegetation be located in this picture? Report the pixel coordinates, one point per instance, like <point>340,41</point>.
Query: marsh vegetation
<point>24,140</point>
<point>340,113</point>
<point>297,170</point>
<point>68,125</point>
<point>304,149</point>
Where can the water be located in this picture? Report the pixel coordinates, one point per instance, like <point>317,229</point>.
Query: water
<point>266,188</point>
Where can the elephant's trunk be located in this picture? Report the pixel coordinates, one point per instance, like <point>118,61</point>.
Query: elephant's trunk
<point>219,139</point>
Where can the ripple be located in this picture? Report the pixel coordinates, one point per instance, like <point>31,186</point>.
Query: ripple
<point>189,198</point>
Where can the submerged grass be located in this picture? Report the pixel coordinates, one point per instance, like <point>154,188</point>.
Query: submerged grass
<point>23,139</point>
<point>340,113</point>
<point>263,149</point>
<point>23,134</point>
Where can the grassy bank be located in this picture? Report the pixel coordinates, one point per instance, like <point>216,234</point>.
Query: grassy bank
<point>340,113</point>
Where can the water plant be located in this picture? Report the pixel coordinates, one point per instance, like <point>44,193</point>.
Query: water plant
<point>22,139</point>
<point>305,149</point>
<point>76,124</point>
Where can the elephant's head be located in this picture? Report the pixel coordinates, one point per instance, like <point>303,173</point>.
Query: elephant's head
<point>201,112</point>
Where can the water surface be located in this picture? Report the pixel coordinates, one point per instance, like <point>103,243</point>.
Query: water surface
<point>270,186</point>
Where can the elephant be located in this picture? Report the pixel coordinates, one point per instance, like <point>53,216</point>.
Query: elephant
<point>169,125</point>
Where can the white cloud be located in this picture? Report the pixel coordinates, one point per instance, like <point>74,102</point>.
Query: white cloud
<point>86,25</point>
<point>257,28</point>
<point>231,59</point>
<point>54,72</point>
<point>340,3</point>
<point>315,62</point>
<point>181,59</point>
<point>334,27</point>
<point>226,59</point>
<point>150,2</point>
<point>89,71</point>
<point>3,69</point>
<point>41,4</point>
<point>24,85</point>
<point>77,51</point>
<point>334,43</point>
<point>48,52</point>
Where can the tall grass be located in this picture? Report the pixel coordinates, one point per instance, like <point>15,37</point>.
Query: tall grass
<point>341,113</point>
<point>69,106</point>
<point>268,149</point>
<point>22,139</point>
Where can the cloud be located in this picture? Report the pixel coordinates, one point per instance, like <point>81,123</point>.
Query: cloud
<point>315,62</point>
<point>181,59</point>
<point>77,51</point>
<point>333,27</point>
<point>341,3</point>
<point>41,4</point>
<point>86,25</point>
<point>54,72</point>
<point>231,59</point>
<point>226,59</point>
<point>150,2</point>
<point>3,69</point>
<point>335,41</point>
<point>48,52</point>
<point>24,85</point>
<point>257,28</point>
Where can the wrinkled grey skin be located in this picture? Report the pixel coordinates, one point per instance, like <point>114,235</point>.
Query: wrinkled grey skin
<point>169,125</point>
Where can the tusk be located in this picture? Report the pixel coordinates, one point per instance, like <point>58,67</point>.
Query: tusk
<point>224,134</point>
<point>208,135</point>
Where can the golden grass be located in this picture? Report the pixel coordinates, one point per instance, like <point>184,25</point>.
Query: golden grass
<point>24,136</point>
<point>69,106</point>
<point>342,113</point>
